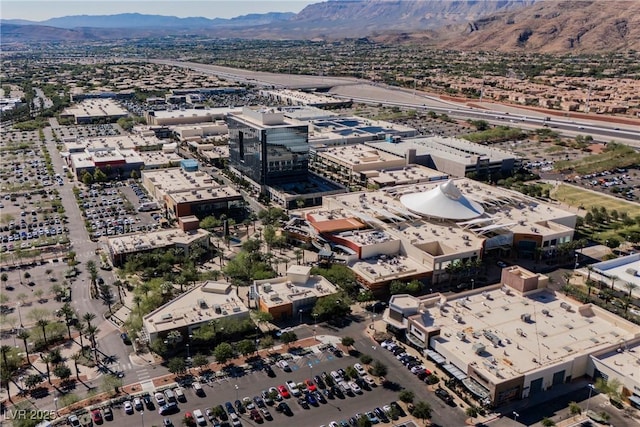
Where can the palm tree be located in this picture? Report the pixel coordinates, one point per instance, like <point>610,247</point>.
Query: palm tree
<point>4,350</point>
<point>614,278</point>
<point>46,358</point>
<point>80,328</point>
<point>630,286</point>
<point>88,317</point>
<point>75,357</point>
<point>24,336</point>
<point>589,270</point>
<point>68,313</point>
<point>43,324</point>
<point>137,300</point>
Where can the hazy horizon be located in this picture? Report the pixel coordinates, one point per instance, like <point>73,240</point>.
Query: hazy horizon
<point>42,10</point>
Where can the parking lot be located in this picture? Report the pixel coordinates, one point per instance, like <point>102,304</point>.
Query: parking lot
<point>32,216</point>
<point>112,209</point>
<point>71,132</point>
<point>315,406</point>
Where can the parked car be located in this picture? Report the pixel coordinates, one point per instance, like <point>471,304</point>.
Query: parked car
<point>445,396</point>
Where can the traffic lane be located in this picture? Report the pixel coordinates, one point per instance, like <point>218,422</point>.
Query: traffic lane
<point>443,414</point>
<point>252,384</point>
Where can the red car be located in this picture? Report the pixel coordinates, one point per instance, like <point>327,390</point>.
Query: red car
<point>283,391</point>
<point>96,416</point>
<point>255,416</point>
<point>310,385</point>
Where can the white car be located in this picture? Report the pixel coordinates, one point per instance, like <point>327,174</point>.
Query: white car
<point>284,365</point>
<point>358,367</point>
<point>128,407</point>
<point>355,387</point>
<point>336,376</point>
<point>160,399</point>
<point>419,368</point>
<point>199,416</point>
<point>276,393</point>
<point>370,381</point>
<point>235,421</point>
<point>293,388</point>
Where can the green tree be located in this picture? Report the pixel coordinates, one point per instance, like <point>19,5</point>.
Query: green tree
<point>406,396</point>
<point>335,306</point>
<point>62,371</point>
<point>547,422</point>
<point>200,361</point>
<point>223,352</point>
<point>366,359</point>
<point>33,381</point>
<point>87,179</point>
<point>246,347</point>
<point>288,338</point>
<point>347,341</point>
<point>379,369</point>
<point>471,411</point>
<point>177,366</point>
<point>111,384</point>
<point>422,411</point>
<point>574,408</point>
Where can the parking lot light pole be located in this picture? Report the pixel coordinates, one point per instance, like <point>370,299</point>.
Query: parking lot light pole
<point>591,388</point>
<point>142,416</point>
<point>237,391</point>
<point>473,284</point>
<point>515,416</point>
<point>20,316</point>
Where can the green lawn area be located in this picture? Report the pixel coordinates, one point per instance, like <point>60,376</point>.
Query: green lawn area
<point>586,199</point>
<point>615,156</point>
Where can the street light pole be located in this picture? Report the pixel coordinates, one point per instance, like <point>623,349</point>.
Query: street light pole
<point>19,315</point>
<point>591,387</point>
<point>300,311</point>
<point>473,284</point>
<point>515,416</point>
<point>55,403</point>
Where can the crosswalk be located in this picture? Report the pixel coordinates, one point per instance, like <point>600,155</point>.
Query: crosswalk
<point>143,374</point>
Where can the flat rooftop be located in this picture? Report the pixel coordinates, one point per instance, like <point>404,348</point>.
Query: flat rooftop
<point>173,180</point>
<point>202,195</point>
<point>307,113</point>
<point>626,268</point>
<point>410,174</point>
<point>282,290</point>
<point>304,98</point>
<point>131,243</point>
<point>347,126</point>
<point>208,113</point>
<point>360,157</point>
<point>624,360</point>
<point>96,108</point>
<point>159,159</point>
<point>384,268</point>
<point>209,301</point>
<point>456,149</point>
<point>123,142</point>
<point>520,333</point>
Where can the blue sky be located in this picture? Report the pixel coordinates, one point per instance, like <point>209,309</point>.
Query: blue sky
<point>40,10</point>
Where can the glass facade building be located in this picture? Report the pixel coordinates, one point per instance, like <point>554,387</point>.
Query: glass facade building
<point>268,154</point>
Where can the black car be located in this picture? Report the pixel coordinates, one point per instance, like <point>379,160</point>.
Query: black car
<point>221,413</point>
<point>125,338</point>
<point>329,393</point>
<point>284,408</point>
<point>445,396</point>
<point>147,402</point>
<point>259,401</point>
<point>230,408</point>
<point>303,402</point>
<point>381,415</point>
<point>319,382</point>
<point>270,373</point>
<point>337,392</point>
<point>239,406</point>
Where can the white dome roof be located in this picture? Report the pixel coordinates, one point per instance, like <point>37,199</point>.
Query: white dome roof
<point>444,201</point>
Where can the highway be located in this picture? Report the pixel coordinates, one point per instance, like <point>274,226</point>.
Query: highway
<point>367,92</point>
